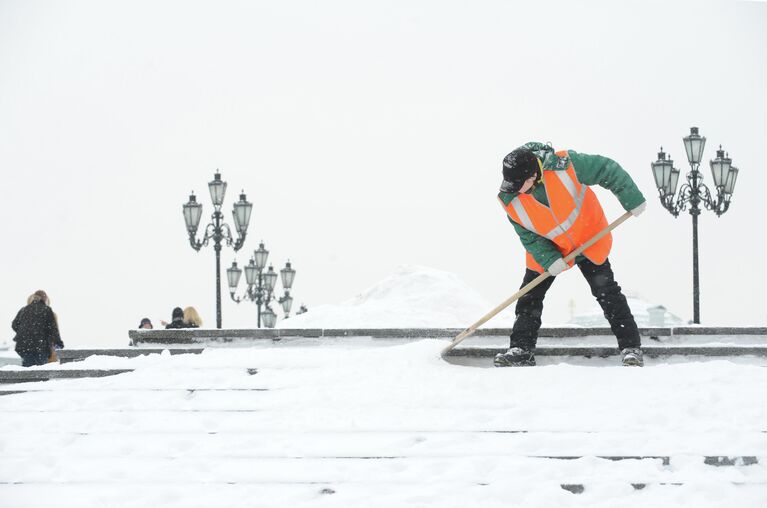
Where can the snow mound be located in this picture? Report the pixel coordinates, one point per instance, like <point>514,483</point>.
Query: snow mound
<point>645,313</point>
<point>412,297</point>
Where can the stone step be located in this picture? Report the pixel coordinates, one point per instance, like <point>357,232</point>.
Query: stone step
<point>603,352</point>
<point>244,337</point>
<point>718,448</point>
<point>75,355</point>
<point>119,467</point>
<point>29,375</point>
<point>106,488</point>
<point>215,336</point>
<point>664,460</point>
<point>580,488</point>
<point>120,390</point>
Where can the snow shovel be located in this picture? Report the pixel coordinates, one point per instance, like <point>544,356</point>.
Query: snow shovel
<point>519,294</point>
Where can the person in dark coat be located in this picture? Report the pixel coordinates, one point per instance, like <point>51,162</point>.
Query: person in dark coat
<point>178,319</point>
<point>37,331</point>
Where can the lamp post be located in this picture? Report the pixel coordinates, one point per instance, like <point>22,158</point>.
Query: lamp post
<point>695,193</point>
<point>217,230</point>
<point>261,285</point>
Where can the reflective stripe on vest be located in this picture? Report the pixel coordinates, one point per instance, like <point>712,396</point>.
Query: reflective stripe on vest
<point>576,194</point>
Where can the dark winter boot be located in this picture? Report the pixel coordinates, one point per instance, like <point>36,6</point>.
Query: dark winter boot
<point>515,357</point>
<point>632,357</point>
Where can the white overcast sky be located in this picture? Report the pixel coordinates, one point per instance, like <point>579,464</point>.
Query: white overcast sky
<point>367,135</point>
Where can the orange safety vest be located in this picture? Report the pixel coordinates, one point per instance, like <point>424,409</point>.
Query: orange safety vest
<point>573,216</point>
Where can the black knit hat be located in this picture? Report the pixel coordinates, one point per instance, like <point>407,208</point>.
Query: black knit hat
<point>518,166</point>
<point>178,313</point>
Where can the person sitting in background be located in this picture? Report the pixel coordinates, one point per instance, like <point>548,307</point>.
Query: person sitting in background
<point>55,345</point>
<point>177,319</point>
<point>192,318</point>
<point>145,324</point>
<point>37,330</point>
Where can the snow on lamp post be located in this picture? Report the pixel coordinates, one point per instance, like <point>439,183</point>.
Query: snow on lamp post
<point>217,230</point>
<point>261,285</point>
<point>695,192</point>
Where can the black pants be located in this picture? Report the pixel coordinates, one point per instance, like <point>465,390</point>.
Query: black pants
<point>603,287</point>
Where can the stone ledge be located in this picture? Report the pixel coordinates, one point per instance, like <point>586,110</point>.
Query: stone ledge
<point>74,355</point>
<point>25,376</point>
<point>199,336</point>
<point>603,352</point>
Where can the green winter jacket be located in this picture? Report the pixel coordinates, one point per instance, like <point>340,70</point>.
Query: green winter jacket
<point>590,170</point>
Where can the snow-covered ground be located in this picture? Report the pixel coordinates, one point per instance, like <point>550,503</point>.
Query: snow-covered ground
<point>366,422</point>
<point>382,426</point>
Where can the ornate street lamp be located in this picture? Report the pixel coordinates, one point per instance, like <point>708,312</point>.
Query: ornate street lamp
<point>286,302</point>
<point>270,318</point>
<point>695,192</point>
<point>287,274</point>
<point>261,285</point>
<point>217,230</point>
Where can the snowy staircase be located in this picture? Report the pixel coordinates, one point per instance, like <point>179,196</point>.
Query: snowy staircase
<point>320,423</point>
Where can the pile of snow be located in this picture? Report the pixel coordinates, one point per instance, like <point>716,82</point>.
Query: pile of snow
<point>412,297</point>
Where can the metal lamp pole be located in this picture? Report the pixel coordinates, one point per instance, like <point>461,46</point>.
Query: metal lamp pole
<point>217,230</point>
<point>695,193</point>
<point>261,285</point>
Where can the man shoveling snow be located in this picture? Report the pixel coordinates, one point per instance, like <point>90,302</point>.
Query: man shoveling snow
<point>547,199</point>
